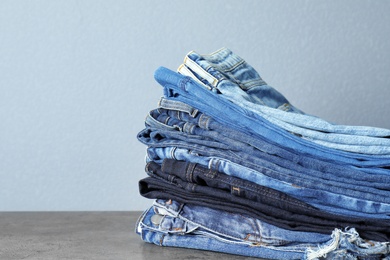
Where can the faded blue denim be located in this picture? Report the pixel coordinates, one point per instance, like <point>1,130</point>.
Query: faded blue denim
<point>237,81</point>
<point>186,90</point>
<point>184,225</point>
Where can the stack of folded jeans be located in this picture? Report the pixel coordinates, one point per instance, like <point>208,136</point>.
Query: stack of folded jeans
<point>234,167</point>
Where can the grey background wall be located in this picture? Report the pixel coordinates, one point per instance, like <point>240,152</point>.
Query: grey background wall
<point>76,81</point>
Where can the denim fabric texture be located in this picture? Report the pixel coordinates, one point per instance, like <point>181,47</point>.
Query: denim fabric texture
<point>198,127</point>
<point>183,224</point>
<point>185,89</point>
<point>240,83</point>
<point>280,210</point>
<point>174,115</point>
<point>158,138</point>
<point>234,167</point>
<point>328,201</point>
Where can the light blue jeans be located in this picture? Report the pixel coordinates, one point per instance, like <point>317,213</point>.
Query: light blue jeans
<point>169,223</point>
<point>185,89</point>
<point>228,74</point>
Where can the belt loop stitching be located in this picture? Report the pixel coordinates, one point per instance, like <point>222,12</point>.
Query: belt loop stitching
<point>190,172</point>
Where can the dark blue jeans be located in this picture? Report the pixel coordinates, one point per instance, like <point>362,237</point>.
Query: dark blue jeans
<point>300,218</point>
<point>153,137</point>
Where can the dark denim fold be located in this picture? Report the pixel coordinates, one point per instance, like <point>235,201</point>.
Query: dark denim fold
<point>154,137</point>
<point>194,173</point>
<point>161,185</point>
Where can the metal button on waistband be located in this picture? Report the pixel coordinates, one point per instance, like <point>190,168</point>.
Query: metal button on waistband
<point>156,219</point>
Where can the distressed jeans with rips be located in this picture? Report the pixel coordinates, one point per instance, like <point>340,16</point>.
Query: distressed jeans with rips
<point>170,223</point>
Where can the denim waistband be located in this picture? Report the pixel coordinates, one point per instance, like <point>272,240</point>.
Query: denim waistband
<point>233,75</point>
<point>224,65</point>
<point>345,142</point>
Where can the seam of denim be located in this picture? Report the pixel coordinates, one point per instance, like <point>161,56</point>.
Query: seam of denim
<point>191,187</point>
<point>190,172</point>
<point>186,72</point>
<point>139,220</point>
<point>200,71</point>
<point>163,166</point>
<point>203,122</point>
<point>173,152</point>
<point>177,105</point>
<point>189,128</point>
<point>166,120</point>
<point>228,62</point>
<point>223,49</point>
<point>285,107</point>
<point>186,127</point>
<point>233,66</point>
<point>211,173</point>
<point>147,165</point>
<point>224,54</point>
<point>183,83</point>
<point>150,120</point>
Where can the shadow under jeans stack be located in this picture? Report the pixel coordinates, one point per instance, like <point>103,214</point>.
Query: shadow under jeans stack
<point>233,167</point>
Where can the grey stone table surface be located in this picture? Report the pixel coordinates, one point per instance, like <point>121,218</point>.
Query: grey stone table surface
<point>84,235</point>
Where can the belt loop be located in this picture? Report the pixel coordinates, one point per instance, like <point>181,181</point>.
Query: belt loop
<point>200,71</point>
